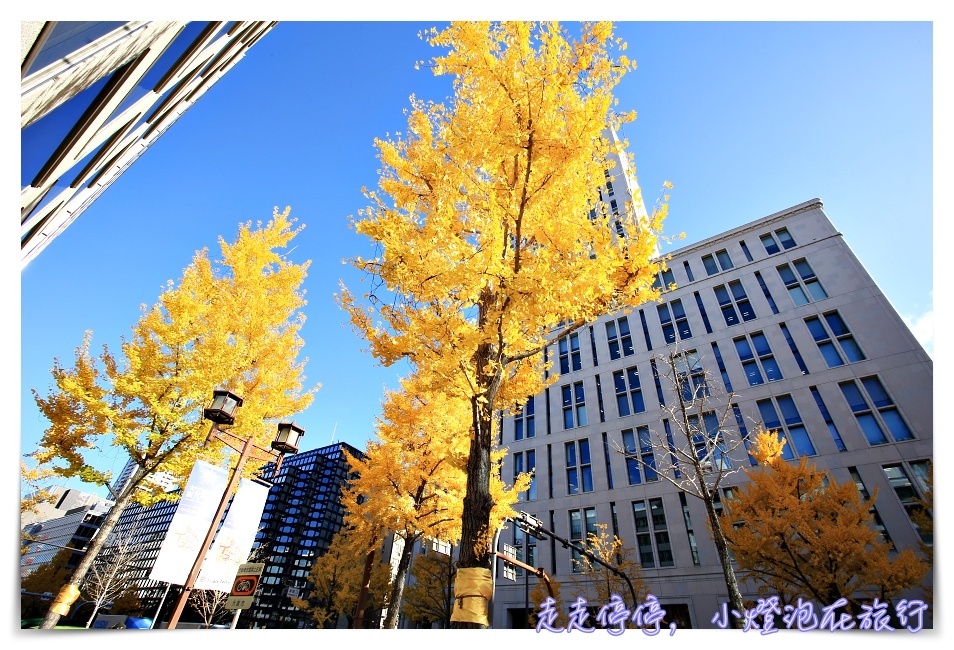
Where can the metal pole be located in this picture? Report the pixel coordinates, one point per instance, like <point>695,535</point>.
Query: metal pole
<point>493,587</point>
<point>235,619</point>
<point>538,527</point>
<point>209,536</point>
<point>159,609</point>
<point>526,593</point>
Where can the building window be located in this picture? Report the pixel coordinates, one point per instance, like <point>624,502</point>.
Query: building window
<point>702,310</point>
<point>688,520</point>
<point>519,467</point>
<point>743,433</point>
<point>665,281</point>
<point>672,449</point>
<point>659,393</point>
<point>550,472</point>
<point>673,312</point>
<point>579,472</point>
<point>765,292</point>
<point>745,250</point>
<point>620,341</point>
<point>689,275</point>
<point>771,247</point>
<point>884,407</point>
<point>792,428</point>
<point>523,421</point>
<point>582,525</point>
<point>762,357</point>
<point>642,320</point>
<point>606,457</point>
<point>599,398</point>
<point>652,535</point>
<point>838,331</point>
<point>722,370</point>
<point>570,353</point>
<point>908,495</point>
<point>690,375</point>
<point>593,346</point>
<point>922,472</point>
<point>803,286</point>
<point>793,348</point>
<point>832,429</point>
<point>710,439</point>
<point>574,402</point>
<point>879,525</point>
<point>517,471</point>
<point>629,398</point>
<point>724,262</point>
<point>638,446</point>
<point>729,302</point>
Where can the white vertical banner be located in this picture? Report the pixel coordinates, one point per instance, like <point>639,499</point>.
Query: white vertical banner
<point>190,524</point>
<point>234,540</point>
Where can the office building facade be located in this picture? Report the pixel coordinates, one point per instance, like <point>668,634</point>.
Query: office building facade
<point>302,515</point>
<point>74,529</point>
<point>782,314</point>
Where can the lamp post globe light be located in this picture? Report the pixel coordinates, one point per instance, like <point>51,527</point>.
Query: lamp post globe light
<point>222,412</point>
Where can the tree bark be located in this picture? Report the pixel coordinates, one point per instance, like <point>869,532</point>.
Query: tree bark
<point>358,621</point>
<point>397,589</point>
<point>728,574</point>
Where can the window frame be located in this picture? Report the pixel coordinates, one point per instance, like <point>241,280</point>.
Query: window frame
<point>799,282</point>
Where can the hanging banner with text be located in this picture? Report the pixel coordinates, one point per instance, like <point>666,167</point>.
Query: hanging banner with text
<point>234,540</point>
<point>190,524</point>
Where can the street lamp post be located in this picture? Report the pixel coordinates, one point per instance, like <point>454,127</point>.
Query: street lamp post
<point>533,526</point>
<point>222,412</point>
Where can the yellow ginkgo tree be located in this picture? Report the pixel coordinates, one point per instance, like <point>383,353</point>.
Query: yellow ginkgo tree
<point>490,235</point>
<point>411,481</point>
<point>801,534</point>
<point>233,324</point>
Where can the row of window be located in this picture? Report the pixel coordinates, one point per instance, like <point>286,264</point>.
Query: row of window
<point>835,342</point>
<point>653,543</point>
<point>734,304</point>
<point>721,261</point>
<point>876,414</point>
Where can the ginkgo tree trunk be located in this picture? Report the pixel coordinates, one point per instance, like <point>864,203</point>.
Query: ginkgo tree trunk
<point>490,237</point>
<point>412,479</point>
<point>230,324</point>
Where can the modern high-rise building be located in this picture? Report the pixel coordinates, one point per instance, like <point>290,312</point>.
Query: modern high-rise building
<point>302,515</point>
<point>95,95</point>
<point>783,315</point>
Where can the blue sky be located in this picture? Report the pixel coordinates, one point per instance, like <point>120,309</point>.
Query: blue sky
<point>745,119</point>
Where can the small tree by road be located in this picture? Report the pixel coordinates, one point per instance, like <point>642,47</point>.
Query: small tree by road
<point>799,533</point>
<point>429,598</point>
<point>694,447</point>
<point>109,576</point>
<point>230,324</point>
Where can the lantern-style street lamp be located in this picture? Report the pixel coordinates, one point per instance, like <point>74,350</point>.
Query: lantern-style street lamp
<point>222,412</point>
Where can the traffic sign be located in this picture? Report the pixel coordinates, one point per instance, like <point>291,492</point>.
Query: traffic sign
<point>244,585</point>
